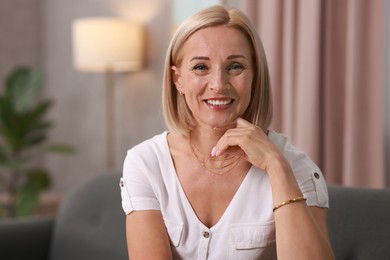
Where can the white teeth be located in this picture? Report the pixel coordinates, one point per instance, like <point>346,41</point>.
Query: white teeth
<point>219,102</point>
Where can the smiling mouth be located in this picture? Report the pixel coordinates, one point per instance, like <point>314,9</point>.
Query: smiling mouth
<point>219,102</point>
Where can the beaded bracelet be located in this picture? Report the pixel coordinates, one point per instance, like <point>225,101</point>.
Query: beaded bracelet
<point>297,199</point>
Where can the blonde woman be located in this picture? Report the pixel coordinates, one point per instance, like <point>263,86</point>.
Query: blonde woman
<point>218,184</point>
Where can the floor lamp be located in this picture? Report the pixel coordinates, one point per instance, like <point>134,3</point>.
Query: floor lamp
<point>107,45</point>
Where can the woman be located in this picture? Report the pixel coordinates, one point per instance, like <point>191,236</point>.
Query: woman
<point>219,184</point>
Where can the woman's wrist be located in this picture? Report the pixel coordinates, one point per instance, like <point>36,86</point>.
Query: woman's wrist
<point>283,182</point>
<point>277,165</point>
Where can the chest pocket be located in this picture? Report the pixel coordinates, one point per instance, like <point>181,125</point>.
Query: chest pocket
<point>252,241</point>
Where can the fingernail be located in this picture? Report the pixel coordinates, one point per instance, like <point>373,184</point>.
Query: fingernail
<point>214,152</point>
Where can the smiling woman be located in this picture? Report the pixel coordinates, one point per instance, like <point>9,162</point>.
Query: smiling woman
<point>215,82</point>
<point>219,184</point>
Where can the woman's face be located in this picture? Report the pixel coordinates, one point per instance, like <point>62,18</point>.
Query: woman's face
<point>216,75</point>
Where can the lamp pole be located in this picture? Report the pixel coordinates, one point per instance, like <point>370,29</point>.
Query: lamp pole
<point>110,118</point>
<point>107,45</point>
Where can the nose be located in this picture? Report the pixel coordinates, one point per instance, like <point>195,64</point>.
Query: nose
<point>218,80</point>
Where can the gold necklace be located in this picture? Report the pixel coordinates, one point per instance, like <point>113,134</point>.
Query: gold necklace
<point>232,161</point>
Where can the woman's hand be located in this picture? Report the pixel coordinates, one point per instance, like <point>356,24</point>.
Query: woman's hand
<point>252,140</point>
<point>308,224</point>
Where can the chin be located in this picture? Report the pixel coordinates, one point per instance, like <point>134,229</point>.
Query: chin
<point>223,127</point>
<point>221,123</point>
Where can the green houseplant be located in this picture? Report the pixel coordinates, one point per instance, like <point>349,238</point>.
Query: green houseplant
<point>24,129</point>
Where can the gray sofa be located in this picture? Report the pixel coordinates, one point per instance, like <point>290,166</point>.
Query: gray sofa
<point>359,223</point>
<point>91,225</point>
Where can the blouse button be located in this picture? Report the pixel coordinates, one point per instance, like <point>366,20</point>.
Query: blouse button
<point>316,175</point>
<point>206,234</point>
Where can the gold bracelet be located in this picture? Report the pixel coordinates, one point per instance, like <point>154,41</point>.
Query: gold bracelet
<point>297,199</point>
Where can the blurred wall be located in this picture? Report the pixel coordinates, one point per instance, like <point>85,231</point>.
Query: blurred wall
<point>79,111</point>
<point>20,34</point>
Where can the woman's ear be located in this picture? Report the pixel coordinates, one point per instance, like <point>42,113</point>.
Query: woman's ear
<point>177,78</point>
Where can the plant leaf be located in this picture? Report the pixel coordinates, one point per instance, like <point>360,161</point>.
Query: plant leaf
<point>34,117</point>
<point>28,197</point>
<point>60,149</point>
<point>28,201</point>
<point>3,154</point>
<point>22,86</point>
<point>34,140</point>
<point>15,164</point>
<point>39,177</point>
<point>6,112</point>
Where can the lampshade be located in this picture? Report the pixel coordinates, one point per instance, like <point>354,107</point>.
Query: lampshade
<point>101,44</point>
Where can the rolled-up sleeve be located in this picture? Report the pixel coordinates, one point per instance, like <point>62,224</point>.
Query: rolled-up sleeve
<point>136,189</point>
<point>309,177</point>
<point>129,203</point>
<point>313,187</point>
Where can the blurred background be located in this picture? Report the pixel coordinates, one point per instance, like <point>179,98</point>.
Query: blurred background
<point>329,62</point>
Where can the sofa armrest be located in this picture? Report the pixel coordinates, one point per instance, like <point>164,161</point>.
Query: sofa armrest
<point>25,238</point>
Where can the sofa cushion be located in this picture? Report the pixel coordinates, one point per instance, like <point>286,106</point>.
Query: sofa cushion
<point>359,223</point>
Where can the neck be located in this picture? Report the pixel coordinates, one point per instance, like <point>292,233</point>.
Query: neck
<point>205,139</point>
<point>201,144</point>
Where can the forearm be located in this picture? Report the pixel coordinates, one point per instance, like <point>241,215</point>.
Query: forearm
<point>298,236</point>
<point>298,233</point>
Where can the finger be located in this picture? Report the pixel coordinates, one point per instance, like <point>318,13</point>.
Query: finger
<point>232,125</point>
<point>230,139</point>
<point>242,122</point>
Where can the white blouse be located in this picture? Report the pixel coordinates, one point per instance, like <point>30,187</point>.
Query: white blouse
<point>245,231</point>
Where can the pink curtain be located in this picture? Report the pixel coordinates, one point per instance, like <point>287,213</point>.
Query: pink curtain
<point>326,61</point>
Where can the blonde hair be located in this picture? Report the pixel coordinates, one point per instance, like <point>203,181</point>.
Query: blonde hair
<point>178,116</point>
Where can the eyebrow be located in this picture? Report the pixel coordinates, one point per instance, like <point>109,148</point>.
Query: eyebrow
<point>231,57</point>
<point>199,58</point>
<point>235,56</point>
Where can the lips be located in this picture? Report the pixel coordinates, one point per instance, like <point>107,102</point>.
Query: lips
<point>219,102</point>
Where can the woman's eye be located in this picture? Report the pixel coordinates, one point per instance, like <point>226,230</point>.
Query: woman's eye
<point>200,67</point>
<point>235,67</point>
